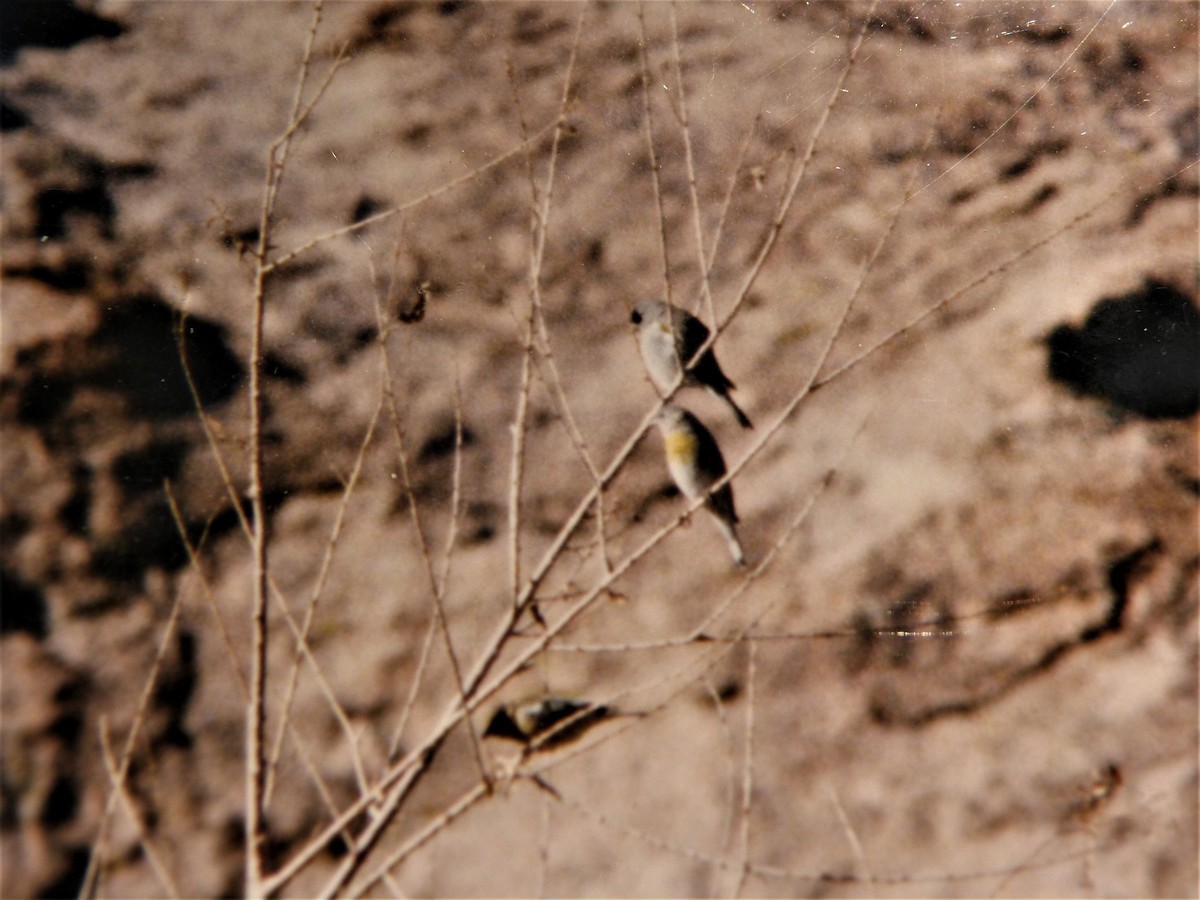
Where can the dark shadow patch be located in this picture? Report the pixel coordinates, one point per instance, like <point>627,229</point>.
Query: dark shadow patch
<point>366,207</point>
<point>151,539</point>
<point>384,27</point>
<point>131,171</point>
<point>11,117</point>
<point>56,205</point>
<point>1017,169</point>
<point>418,133</point>
<point>44,398</point>
<point>142,356</point>
<point>1045,34</point>
<point>1185,128</point>
<point>61,802</point>
<point>442,443</point>
<point>1139,351</point>
<point>886,708</point>
<point>145,469</point>
<point>69,699</point>
<point>279,369</point>
<point>72,275</point>
<point>1043,195</point>
<point>1189,483</point>
<point>482,523</point>
<point>24,607</point>
<point>242,240</point>
<point>962,195</point>
<point>69,880</point>
<point>174,691</point>
<point>1169,189</point>
<point>56,24</point>
<point>901,20</point>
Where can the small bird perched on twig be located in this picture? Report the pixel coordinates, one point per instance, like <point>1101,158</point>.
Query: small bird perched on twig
<point>696,464</point>
<point>559,719</point>
<point>668,338</point>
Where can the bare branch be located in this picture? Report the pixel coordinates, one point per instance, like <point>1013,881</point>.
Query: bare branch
<point>747,777</point>
<point>116,777</point>
<point>135,729</point>
<point>311,609</point>
<point>685,132</point>
<point>655,167</point>
<point>383,215</point>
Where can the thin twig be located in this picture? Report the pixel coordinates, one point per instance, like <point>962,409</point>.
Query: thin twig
<point>787,198</point>
<point>851,835</point>
<point>451,539</point>
<point>655,168</point>
<point>1028,100</point>
<point>311,609</point>
<point>383,813</point>
<point>388,808</point>
<point>517,472</point>
<point>116,777</point>
<point>782,873</point>
<point>685,132</point>
<point>135,730</point>
<point>727,200</point>
<point>410,701</point>
<point>477,688</point>
<point>255,749</point>
<point>747,777</point>
<point>976,282</point>
<point>284,258</point>
<point>544,847</point>
<point>464,803</point>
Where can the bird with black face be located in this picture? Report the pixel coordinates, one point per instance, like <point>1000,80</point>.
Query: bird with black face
<point>668,338</point>
<point>546,721</point>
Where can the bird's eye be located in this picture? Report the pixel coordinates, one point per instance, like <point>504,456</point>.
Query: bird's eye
<point>636,318</point>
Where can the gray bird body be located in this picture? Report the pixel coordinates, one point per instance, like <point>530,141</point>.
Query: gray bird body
<point>695,462</point>
<point>668,338</point>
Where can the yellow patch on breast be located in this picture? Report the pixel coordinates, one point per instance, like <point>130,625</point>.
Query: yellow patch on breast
<point>681,446</point>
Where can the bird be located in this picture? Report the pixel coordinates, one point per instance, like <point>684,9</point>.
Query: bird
<point>668,338</point>
<point>696,464</point>
<point>559,719</point>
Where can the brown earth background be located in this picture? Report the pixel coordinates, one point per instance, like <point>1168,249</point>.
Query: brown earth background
<point>971,670</point>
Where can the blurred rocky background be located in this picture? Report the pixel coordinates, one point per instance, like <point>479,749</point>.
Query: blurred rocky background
<point>976,674</point>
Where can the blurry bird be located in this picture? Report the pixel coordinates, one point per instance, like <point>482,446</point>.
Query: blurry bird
<point>527,720</point>
<point>668,338</point>
<point>696,464</point>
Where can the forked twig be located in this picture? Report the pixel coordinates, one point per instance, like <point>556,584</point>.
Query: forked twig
<point>311,609</point>
<point>120,787</point>
<point>284,258</point>
<point>121,772</point>
<point>1041,87</point>
<point>978,281</point>
<point>255,749</point>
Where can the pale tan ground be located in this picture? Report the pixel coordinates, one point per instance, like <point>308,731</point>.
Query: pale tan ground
<point>962,753</point>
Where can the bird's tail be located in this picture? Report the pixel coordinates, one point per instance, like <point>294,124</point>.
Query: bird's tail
<point>730,534</point>
<point>743,419</point>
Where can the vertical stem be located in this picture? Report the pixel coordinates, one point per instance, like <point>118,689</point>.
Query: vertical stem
<point>256,708</point>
